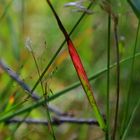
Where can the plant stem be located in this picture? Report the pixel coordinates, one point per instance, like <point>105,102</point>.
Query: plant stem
<point>50,127</point>
<point>50,122</point>
<point>108,78</point>
<point>44,93</point>
<point>37,67</point>
<point>79,68</point>
<point>117,80</point>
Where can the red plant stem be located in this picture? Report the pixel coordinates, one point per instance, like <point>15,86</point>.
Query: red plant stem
<point>80,70</point>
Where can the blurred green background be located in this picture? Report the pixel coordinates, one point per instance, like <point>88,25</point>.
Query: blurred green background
<point>24,20</point>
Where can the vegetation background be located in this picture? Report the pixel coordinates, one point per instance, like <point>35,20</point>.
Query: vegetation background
<point>25,23</point>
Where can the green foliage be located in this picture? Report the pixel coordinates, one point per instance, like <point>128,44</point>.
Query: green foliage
<point>24,23</point>
<point>135,4</point>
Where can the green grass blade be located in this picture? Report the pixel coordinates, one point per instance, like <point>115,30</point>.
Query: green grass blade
<point>108,79</point>
<point>60,93</point>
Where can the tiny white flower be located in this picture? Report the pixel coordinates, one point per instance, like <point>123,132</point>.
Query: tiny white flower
<point>28,43</point>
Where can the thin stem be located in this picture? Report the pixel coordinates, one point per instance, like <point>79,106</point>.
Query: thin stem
<point>50,127</point>
<point>117,80</point>
<point>108,78</point>
<point>50,124</point>
<point>44,93</point>
<point>38,71</point>
<point>126,115</point>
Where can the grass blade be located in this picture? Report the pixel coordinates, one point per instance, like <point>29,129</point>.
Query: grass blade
<point>60,93</point>
<point>80,71</point>
<point>117,77</point>
<point>108,79</point>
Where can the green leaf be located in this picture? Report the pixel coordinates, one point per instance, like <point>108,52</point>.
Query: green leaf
<point>135,4</point>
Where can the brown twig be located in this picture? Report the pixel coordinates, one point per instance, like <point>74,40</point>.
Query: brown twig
<point>55,121</point>
<point>24,86</point>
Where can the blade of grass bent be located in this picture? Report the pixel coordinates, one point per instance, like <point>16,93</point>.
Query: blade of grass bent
<point>60,93</point>
<point>77,84</point>
<point>80,70</point>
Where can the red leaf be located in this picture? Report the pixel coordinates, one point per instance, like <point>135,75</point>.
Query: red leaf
<point>77,61</point>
